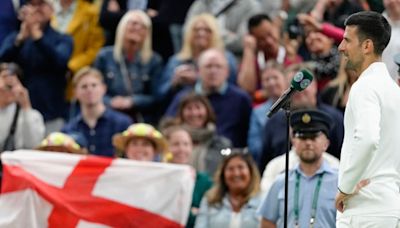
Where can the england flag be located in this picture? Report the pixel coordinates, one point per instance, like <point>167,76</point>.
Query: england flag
<point>49,189</point>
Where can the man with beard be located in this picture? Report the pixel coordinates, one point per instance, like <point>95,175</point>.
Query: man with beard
<point>274,132</point>
<point>232,106</point>
<point>370,146</point>
<point>311,183</point>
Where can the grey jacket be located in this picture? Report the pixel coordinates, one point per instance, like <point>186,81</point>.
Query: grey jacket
<point>29,130</point>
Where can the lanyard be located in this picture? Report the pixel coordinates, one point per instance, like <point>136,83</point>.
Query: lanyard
<point>314,202</point>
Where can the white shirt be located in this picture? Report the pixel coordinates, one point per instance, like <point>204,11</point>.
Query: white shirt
<point>371,144</point>
<point>64,17</point>
<point>280,58</point>
<point>235,220</point>
<point>30,127</point>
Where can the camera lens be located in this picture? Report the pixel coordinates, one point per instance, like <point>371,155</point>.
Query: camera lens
<point>295,29</point>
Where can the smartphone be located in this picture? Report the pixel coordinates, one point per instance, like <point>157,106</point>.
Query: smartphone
<point>189,62</point>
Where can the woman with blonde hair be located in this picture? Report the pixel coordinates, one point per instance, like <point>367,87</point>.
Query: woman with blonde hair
<point>235,196</point>
<point>200,33</point>
<point>337,91</point>
<point>132,70</point>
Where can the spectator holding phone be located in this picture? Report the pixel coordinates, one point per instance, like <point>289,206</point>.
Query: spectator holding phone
<point>21,126</point>
<point>201,33</point>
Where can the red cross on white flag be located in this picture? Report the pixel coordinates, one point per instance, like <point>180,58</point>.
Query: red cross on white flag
<point>44,189</point>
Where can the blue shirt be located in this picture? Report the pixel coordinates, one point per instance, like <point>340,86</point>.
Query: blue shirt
<point>8,17</point>
<point>275,139</point>
<point>44,62</point>
<point>221,215</point>
<point>258,120</point>
<point>99,138</point>
<point>272,208</point>
<point>174,62</point>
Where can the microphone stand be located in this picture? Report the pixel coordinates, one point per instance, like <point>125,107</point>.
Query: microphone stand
<point>286,108</point>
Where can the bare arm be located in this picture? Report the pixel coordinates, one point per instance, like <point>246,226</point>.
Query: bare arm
<point>328,29</point>
<point>319,10</point>
<point>247,78</point>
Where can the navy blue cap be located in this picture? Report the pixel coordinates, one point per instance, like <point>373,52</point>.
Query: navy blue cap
<point>308,123</point>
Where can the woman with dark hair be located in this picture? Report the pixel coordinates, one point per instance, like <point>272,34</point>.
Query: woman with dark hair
<point>235,196</point>
<point>21,126</point>
<point>196,115</point>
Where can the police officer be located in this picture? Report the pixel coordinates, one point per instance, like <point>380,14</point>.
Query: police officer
<point>312,183</point>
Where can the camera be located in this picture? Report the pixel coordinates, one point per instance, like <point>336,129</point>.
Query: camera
<point>295,29</point>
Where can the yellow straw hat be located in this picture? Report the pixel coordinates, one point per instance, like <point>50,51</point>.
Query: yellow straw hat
<point>61,141</point>
<point>140,130</point>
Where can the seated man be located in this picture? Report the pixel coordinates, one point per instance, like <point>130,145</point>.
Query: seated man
<point>262,44</point>
<point>312,183</point>
<point>232,105</point>
<point>96,122</point>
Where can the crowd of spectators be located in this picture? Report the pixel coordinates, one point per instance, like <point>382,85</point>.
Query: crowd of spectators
<point>186,82</point>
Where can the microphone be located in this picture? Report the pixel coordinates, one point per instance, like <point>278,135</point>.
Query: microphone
<point>300,81</point>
